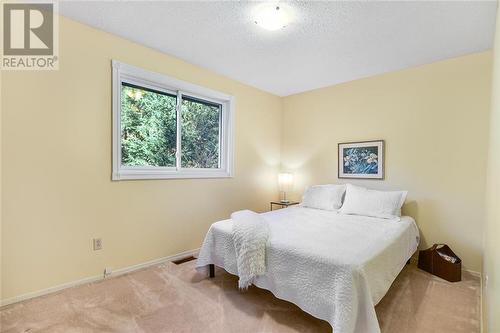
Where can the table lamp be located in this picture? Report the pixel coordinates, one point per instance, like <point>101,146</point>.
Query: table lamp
<point>285,181</point>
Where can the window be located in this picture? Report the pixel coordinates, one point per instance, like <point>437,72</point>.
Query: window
<point>167,128</point>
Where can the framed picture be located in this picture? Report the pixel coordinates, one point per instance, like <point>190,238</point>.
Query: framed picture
<point>363,160</point>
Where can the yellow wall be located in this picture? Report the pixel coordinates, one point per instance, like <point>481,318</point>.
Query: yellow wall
<point>491,289</point>
<point>56,161</point>
<point>57,168</point>
<point>434,119</point>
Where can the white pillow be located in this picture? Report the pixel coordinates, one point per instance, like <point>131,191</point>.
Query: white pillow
<point>383,204</point>
<point>328,197</point>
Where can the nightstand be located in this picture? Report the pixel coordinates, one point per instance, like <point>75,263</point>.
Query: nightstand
<point>283,204</point>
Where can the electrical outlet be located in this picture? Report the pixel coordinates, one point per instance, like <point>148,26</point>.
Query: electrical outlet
<point>97,244</point>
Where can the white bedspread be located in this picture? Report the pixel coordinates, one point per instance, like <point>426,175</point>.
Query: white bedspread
<point>335,267</point>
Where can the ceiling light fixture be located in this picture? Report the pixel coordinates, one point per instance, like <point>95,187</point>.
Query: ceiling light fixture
<point>272,16</point>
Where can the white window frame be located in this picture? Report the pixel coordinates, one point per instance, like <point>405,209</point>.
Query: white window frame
<point>126,73</point>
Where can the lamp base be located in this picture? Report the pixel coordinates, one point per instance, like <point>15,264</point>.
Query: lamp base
<point>284,201</point>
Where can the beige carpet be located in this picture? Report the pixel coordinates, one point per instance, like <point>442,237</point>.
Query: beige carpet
<point>175,298</point>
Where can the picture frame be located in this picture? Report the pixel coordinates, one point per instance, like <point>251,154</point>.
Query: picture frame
<point>361,160</point>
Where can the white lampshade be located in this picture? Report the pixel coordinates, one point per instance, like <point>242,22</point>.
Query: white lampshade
<point>285,181</point>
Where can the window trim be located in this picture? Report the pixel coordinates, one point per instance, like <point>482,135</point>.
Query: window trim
<point>152,80</point>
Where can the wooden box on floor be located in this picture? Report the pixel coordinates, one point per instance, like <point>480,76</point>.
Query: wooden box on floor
<point>441,261</point>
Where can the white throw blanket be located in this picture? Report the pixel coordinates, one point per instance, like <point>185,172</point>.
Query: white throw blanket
<point>250,236</point>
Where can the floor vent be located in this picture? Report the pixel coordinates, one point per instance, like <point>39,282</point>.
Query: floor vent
<point>183,260</point>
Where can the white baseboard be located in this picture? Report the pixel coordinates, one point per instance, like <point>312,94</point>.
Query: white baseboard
<point>158,261</point>
<point>474,273</point>
<point>125,270</point>
<point>96,278</point>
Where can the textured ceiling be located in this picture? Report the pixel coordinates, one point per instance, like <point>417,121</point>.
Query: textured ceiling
<point>327,43</point>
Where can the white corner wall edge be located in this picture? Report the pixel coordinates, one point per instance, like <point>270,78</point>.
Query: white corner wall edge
<point>481,324</point>
<point>96,278</point>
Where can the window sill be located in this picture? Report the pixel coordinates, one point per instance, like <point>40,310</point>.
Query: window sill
<point>162,174</point>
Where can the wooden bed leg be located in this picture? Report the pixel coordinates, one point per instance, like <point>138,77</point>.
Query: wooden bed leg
<point>211,269</point>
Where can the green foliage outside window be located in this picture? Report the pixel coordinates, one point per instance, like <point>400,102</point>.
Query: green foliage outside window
<point>200,135</point>
<point>148,121</point>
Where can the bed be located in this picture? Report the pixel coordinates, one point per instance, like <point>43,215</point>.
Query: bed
<point>335,267</point>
